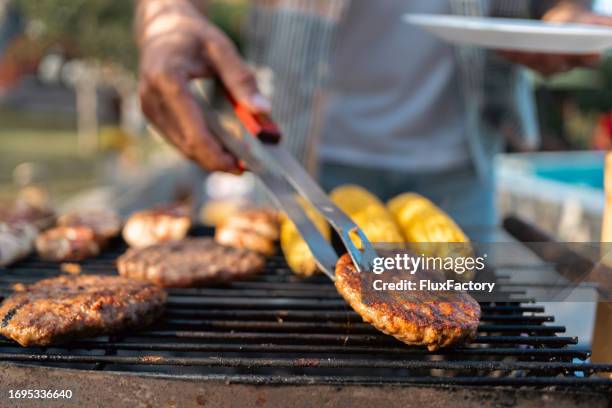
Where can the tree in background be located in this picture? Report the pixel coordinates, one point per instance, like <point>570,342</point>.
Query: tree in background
<point>102,29</point>
<point>87,29</point>
<point>98,33</point>
<point>96,36</point>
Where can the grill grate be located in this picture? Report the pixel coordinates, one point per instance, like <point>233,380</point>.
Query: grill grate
<point>279,329</point>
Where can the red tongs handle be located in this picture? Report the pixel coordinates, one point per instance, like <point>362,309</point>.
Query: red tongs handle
<point>259,125</point>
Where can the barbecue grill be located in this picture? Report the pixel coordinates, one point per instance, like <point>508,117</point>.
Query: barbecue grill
<point>278,338</point>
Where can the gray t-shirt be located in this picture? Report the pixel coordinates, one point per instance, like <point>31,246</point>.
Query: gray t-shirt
<point>394,96</point>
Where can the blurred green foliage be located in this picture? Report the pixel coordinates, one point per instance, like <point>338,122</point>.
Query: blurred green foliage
<point>229,16</point>
<point>100,29</point>
<point>600,100</point>
<point>570,104</point>
<point>591,101</point>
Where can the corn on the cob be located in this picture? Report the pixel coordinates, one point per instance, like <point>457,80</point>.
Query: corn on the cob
<point>296,251</point>
<point>429,229</point>
<point>369,213</point>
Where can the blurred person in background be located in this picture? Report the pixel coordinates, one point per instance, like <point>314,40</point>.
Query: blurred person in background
<point>404,111</point>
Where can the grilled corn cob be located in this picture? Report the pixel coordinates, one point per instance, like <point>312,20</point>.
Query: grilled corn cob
<point>369,213</point>
<point>429,229</point>
<point>296,251</point>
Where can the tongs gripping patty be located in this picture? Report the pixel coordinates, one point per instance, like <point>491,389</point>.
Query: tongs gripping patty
<point>284,176</point>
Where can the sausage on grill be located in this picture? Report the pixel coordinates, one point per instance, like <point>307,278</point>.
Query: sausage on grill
<point>154,226</point>
<point>104,223</point>
<point>255,229</point>
<point>16,241</point>
<point>67,243</point>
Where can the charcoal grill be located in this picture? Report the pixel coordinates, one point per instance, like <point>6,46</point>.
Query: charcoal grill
<point>277,336</point>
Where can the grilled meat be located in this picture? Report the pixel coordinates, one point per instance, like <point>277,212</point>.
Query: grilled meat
<point>71,268</point>
<point>190,262</point>
<point>431,319</point>
<point>246,239</point>
<point>16,241</point>
<point>261,221</point>
<point>32,205</point>
<point>251,229</point>
<point>59,309</point>
<point>104,223</point>
<point>67,243</point>
<point>154,226</point>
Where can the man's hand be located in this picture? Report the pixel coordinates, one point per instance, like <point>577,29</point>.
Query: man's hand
<point>549,64</point>
<point>177,44</point>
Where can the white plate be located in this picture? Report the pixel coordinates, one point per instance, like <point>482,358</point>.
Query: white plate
<point>516,34</point>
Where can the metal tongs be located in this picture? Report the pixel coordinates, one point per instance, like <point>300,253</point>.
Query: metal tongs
<point>287,180</point>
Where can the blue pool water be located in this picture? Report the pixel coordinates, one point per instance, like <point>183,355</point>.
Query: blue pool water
<point>576,168</point>
<point>585,176</point>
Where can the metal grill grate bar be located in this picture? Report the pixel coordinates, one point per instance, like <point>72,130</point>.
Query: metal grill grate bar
<point>339,316</point>
<point>317,349</point>
<point>251,331</point>
<point>557,367</point>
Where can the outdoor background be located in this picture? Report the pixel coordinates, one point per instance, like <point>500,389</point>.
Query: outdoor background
<point>70,119</point>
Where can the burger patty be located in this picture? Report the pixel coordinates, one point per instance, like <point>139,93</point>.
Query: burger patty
<point>55,310</point>
<point>431,319</point>
<point>190,262</point>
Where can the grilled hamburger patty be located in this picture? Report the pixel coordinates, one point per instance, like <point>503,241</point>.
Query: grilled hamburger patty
<point>190,262</point>
<point>58,309</point>
<point>431,319</point>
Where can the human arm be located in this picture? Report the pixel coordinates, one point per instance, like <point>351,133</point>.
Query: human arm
<point>177,44</point>
<point>560,11</point>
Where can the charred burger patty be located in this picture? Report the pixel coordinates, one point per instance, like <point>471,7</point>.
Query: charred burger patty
<point>190,262</point>
<point>421,318</point>
<point>55,310</point>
